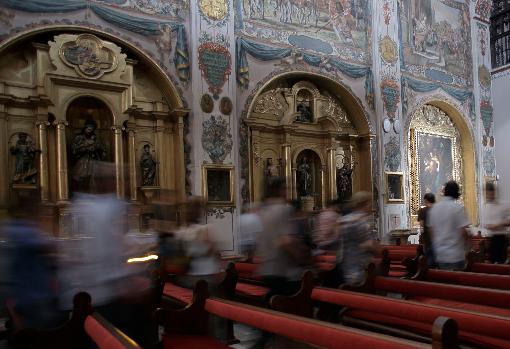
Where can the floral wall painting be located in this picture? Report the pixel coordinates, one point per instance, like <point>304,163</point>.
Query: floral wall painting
<point>436,34</point>
<point>486,112</point>
<point>483,9</point>
<point>340,27</point>
<point>216,138</point>
<point>390,91</point>
<point>392,154</point>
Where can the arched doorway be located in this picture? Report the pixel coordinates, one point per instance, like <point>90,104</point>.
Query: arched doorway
<point>441,148</point>
<point>301,115</point>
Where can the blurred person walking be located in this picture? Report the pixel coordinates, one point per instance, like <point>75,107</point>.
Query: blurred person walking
<point>31,267</point>
<point>250,228</point>
<point>359,244</point>
<point>327,229</point>
<point>497,220</point>
<point>429,199</point>
<point>447,222</point>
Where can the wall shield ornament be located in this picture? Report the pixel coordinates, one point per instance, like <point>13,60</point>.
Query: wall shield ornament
<point>207,103</point>
<point>486,114</point>
<point>392,153</point>
<point>216,138</point>
<point>88,56</point>
<point>215,63</point>
<point>388,50</point>
<point>390,91</point>
<point>226,105</point>
<point>484,76</point>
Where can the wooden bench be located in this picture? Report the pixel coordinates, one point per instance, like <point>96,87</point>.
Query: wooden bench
<point>493,281</point>
<point>83,327</point>
<point>187,328</point>
<point>476,264</point>
<point>406,319</point>
<point>398,261</point>
<point>482,300</point>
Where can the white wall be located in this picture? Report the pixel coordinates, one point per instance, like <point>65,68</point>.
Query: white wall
<point>501,105</point>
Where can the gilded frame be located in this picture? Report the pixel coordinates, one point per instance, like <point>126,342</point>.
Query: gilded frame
<point>391,197</point>
<point>434,122</point>
<point>223,177</point>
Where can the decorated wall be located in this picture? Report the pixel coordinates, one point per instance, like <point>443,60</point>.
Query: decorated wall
<point>384,59</point>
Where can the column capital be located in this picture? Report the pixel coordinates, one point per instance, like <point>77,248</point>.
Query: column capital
<point>42,124</point>
<point>61,124</point>
<point>117,129</point>
<point>131,131</point>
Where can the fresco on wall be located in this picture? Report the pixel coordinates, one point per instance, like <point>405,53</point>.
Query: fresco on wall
<point>174,8</point>
<point>333,27</point>
<point>436,39</point>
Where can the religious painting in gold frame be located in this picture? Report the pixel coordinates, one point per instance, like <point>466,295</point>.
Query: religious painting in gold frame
<point>218,184</point>
<point>435,154</point>
<point>394,187</point>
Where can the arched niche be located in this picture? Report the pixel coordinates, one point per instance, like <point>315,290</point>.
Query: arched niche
<point>337,128</point>
<point>89,138</point>
<point>441,148</point>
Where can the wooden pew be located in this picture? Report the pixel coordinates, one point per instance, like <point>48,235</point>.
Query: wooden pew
<point>483,300</point>
<point>492,281</point>
<point>399,261</point>
<point>83,327</point>
<point>187,328</point>
<point>475,263</point>
<point>406,319</point>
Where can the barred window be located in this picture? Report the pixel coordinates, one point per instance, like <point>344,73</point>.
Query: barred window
<point>500,33</point>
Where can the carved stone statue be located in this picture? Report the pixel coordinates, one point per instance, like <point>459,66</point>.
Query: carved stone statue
<point>305,178</point>
<point>271,169</point>
<point>86,149</point>
<point>148,167</point>
<point>25,152</point>
<point>344,182</point>
<point>304,113</point>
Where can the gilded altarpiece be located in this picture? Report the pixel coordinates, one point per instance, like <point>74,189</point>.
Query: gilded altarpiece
<point>435,153</point>
<point>295,126</point>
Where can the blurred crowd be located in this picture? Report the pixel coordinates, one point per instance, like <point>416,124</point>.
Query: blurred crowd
<point>40,274</point>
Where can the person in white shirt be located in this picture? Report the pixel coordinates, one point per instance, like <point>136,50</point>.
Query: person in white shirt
<point>448,224</point>
<point>497,219</point>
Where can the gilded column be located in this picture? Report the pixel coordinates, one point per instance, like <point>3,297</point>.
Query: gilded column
<point>179,160</point>
<point>119,160</point>
<point>132,164</point>
<point>332,173</point>
<point>62,184</point>
<point>160,151</point>
<point>288,171</point>
<point>43,160</point>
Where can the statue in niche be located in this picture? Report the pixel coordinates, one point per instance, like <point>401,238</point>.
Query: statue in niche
<point>148,167</point>
<point>25,152</point>
<point>304,113</point>
<point>85,150</point>
<point>344,181</point>
<point>305,179</point>
<point>272,169</point>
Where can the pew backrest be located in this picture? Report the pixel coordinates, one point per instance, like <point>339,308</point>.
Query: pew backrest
<point>107,336</point>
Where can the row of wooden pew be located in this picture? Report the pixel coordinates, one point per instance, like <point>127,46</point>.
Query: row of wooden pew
<point>437,308</point>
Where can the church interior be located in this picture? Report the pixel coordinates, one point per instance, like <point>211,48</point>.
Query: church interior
<point>254,174</point>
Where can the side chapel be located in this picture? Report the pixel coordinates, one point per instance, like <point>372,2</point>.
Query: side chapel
<point>216,97</point>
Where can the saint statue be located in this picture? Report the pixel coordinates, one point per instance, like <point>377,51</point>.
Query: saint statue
<point>148,167</point>
<point>304,172</point>
<point>85,150</point>
<point>344,182</point>
<point>272,169</point>
<point>304,113</point>
<point>25,152</point>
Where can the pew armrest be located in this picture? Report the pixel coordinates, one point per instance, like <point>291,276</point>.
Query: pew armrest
<point>299,303</point>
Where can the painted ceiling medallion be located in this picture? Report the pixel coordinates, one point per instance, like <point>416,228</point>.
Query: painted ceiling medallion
<point>214,9</point>
<point>388,49</point>
<point>88,56</point>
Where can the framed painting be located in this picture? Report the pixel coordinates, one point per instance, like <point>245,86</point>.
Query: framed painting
<point>394,187</point>
<point>218,185</point>
<point>435,158</point>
